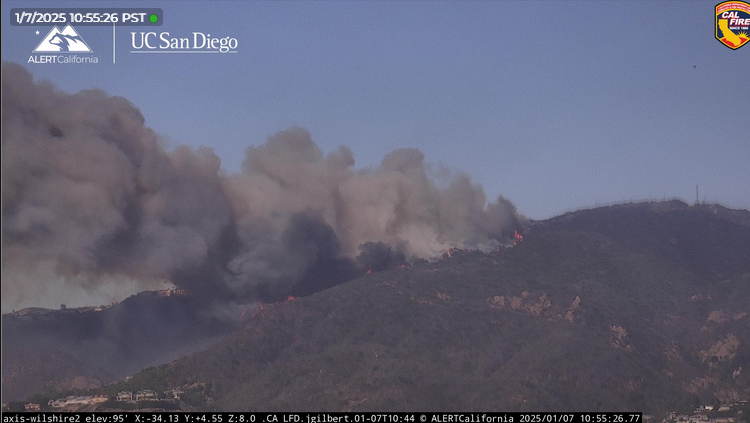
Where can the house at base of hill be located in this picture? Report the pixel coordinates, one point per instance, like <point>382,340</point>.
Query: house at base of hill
<point>146,395</point>
<point>174,394</point>
<point>124,396</point>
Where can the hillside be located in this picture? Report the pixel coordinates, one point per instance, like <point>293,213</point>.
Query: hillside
<point>51,351</point>
<point>632,307</point>
<point>28,371</point>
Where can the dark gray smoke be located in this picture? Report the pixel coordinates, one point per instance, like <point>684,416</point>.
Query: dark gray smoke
<point>92,201</point>
<point>376,256</point>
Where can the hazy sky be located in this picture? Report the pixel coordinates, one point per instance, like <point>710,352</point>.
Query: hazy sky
<point>556,105</point>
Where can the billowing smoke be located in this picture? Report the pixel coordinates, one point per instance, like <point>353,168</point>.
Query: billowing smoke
<point>91,195</point>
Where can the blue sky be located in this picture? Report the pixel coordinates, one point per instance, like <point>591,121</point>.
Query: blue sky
<point>556,105</point>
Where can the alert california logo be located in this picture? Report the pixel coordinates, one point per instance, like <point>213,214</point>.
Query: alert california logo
<point>733,23</point>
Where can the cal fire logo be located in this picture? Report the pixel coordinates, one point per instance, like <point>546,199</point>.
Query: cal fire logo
<point>65,41</point>
<point>733,23</point>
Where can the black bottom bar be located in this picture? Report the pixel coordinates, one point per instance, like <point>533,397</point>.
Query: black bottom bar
<point>353,417</point>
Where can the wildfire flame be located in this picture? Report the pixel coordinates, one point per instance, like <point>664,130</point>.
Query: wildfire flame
<point>290,298</point>
<point>369,271</point>
<point>517,237</point>
<point>243,314</point>
<point>451,252</point>
<point>403,266</point>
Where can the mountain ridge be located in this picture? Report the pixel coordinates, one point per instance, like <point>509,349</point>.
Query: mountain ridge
<point>629,307</point>
<point>603,309</point>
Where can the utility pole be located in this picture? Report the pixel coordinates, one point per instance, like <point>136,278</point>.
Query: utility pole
<point>697,201</point>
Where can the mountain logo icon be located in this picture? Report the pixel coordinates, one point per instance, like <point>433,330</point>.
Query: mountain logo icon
<point>65,41</point>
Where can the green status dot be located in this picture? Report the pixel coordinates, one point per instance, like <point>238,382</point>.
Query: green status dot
<point>153,18</point>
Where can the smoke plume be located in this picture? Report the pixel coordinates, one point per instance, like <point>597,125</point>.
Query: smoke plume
<point>91,196</point>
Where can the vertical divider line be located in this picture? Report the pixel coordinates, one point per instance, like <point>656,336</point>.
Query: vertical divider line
<point>113,42</point>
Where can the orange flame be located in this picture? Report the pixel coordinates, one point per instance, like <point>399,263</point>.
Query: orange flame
<point>517,236</point>
<point>369,271</point>
<point>290,298</point>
